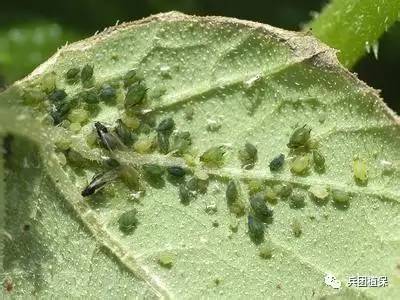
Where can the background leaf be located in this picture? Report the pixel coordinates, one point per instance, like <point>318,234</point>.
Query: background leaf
<point>258,83</point>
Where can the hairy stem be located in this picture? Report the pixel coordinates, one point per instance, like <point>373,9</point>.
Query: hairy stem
<point>354,27</point>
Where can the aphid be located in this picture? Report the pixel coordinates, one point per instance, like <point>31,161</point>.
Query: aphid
<point>213,157</point>
<point>185,194</point>
<point>297,201</point>
<point>163,142</point>
<point>296,228</point>
<point>166,260</point>
<point>285,190</point>
<point>277,163</point>
<point>124,133</point>
<point>61,109</point>
<point>130,176</point>
<point>176,171</point>
<point>130,77</point>
<point>135,94</point>
<point>72,74</point>
<point>127,222</point>
<point>153,170</point>
<point>107,93</point>
<point>108,140</point>
<point>300,165</point>
<point>260,208</point>
<point>144,145</point>
<point>248,156</point>
<point>265,251</point>
<point>99,181</point>
<point>57,95</point>
<point>270,195</point>
<point>197,185</point>
<point>360,171</point>
<point>166,126</point>
<point>340,196</point>
<point>255,186</point>
<point>319,160</point>
<point>299,137</point>
<point>231,192</point>
<point>181,141</point>
<point>86,73</point>
<point>256,227</point>
<point>319,192</point>
<point>90,97</point>
<point>189,112</point>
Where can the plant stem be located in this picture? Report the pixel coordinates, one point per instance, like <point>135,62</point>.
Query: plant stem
<point>354,26</point>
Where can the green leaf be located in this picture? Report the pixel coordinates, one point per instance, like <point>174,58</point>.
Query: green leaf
<point>256,84</point>
<point>354,27</point>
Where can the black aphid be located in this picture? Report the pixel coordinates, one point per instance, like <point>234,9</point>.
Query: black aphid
<point>163,142</point>
<point>277,163</point>
<point>86,73</point>
<point>107,93</point>
<point>248,156</point>
<point>176,171</point>
<point>256,227</point>
<point>99,181</point>
<point>57,95</point>
<point>72,74</point>
<point>166,125</point>
<point>124,133</point>
<point>260,208</point>
<point>108,140</point>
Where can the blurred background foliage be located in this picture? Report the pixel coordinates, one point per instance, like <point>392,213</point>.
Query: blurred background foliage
<point>31,31</point>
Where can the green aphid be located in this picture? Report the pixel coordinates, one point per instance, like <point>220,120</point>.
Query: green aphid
<point>256,227</point>
<point>57,95</point>
<point>72,75</point>
<point>130,77</point>
<point>297,200</point>
<point>127,222</point>
<point>248,156</point>
<point>255,186</point>
<point>319,160</point>
<point>163,142</point>
<point>213,157</point>
<point>299,137</point>
<point>166,126</point>
<point>181,141</point>
<point>360,170</point>
<point>260,208</point>
<point>166,260</point>
<point>277,163</point>
<point>124,133</point>
<point>130,176</point>
<point>284,190</point>
<point>340,197</point>
<point>300,165</point>
<point>296,228</point>
<point>176,171</point>
<point>231,192</point>
<point>153,170</point>
<point>90,97</point>
<point>107,93</point>
<point>86,73</point>
<point>265,251</point>
<point>135,94</point>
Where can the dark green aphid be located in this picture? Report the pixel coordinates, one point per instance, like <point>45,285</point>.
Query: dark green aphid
<point>297,201</point>
<point>163,142</point>
<point>213,157</point>
<point>107,93</point>
<point>256,227</point>
<point>248,156</point>
<point>277,163</point>
<point>260,208</point>
<point>87,73</point>
<point>340,197</point>
<point>185,194</point>
<point>107,139</point>
<point>57,95</point>
<point>197,185</point>
<point>176,171</point>
<point>285,190</point>
<point>128,221</point>
<point>319,160</point>
<point>130,77</point>
<point>153,170</point>
<point>181,141</point>
<point>72,74</point>
<point>99,181</point>
<point>61,109</point>
<point>231,192</point>
<point>166,126</point>
<point>124,133</point>
<point>299,137</point>
<point>90,97</point>
<point>135,94</point>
